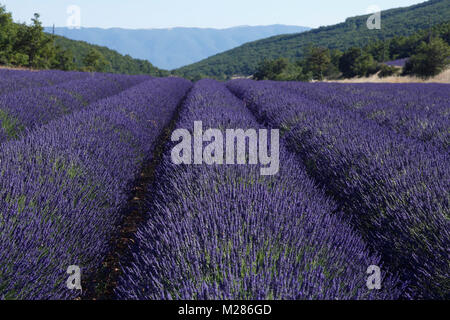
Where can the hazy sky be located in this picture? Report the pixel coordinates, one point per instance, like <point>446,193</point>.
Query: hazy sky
<point>196,13</point>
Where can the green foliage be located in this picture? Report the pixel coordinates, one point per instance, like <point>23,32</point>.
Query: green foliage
<point>318,61</point>
<point>294,72</point>
<point>405,46</point>
<point>118,63</point>
<point>7,33</point>
<point>282,70</point>
<point>19,59</point>
<point>430,60</point>
<point>32,42</point>
<point>29,46</point>
<point>387,71</point>
<point>380,50</point>
<point>356,62</point>
<point>95,61</point>
<point>244,60</point>
<point>10,125</point>
<point>269,69</point>
<point>333,68</point>
<point>64,60</point>
<point>364,65</point>
<point>347,61</point>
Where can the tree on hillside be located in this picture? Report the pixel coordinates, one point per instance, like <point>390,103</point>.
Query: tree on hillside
<point>333,68</point>
<point>387,71</point>
<point>380,50</point>
<point>29,46</point>
<point>35,37</point>
<point>446,35</point>
<point>7,34</point>
<point>282,70</point>
<point>364,65</point>
<point>430,60</point>
<point>356,62</point>
<point>95,61</point>
<point>318,61</point>
<point>294,72</point>
<point>64,60</point>
<point>32,42</point>
<point>269,69</point>
<point>347,60</point>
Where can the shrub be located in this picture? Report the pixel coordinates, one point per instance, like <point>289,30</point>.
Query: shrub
<point>387,71</point>
<point>430,60</point>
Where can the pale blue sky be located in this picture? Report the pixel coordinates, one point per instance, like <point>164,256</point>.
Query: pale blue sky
<point>196,13</point>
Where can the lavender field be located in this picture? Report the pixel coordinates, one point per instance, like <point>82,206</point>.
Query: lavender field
<point>87,179</point>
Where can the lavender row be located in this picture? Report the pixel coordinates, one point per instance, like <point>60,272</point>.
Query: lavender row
<point>420,111</point>
<point>394,189</point>
<point>14,80</point>
<point>226,232</point>
<point>63,187</point>
<point>33,107</point>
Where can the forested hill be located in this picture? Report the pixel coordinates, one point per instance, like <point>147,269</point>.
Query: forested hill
<point>27,45</point>
<point>117,63</point>
<point>244,60</point>
<point>172,48</point>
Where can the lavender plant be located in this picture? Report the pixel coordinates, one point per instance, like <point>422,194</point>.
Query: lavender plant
<point>14,80</point>
<point>226,232</point>
<point>28,108</point>
<point>393,189</point>
<point>64,185</point>
<point>419,111</point>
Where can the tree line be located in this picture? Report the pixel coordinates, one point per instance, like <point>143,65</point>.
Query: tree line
<point>29,46</point>
<point>428,53</point>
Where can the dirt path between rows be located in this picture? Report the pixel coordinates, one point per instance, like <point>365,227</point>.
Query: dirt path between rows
<point>101,285</point>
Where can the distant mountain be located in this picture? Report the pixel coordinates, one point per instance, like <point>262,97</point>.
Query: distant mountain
<point>175,47</point>
<point>118,63</point>
<point>244,60</point>
<point>26,45</point>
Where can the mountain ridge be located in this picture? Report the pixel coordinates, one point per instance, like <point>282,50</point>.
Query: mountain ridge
<point>244,59</point>
<point>171,48</point>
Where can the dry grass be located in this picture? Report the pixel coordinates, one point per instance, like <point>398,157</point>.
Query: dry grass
<point>17,68</point>
<point>444,77</point>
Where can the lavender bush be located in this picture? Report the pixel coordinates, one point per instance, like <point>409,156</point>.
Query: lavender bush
<point>420,111</point>
<point>14,80</point>
<point>393,189</point>
<point>226,232</point>
<point>64,185</point>
<point>28,108</point>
